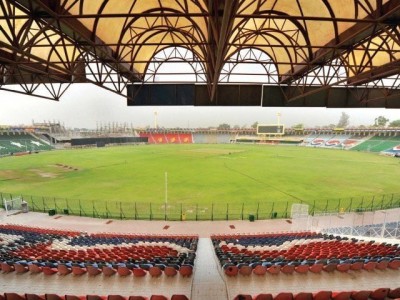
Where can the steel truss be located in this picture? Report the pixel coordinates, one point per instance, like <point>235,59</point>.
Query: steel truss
<point>46,46</point>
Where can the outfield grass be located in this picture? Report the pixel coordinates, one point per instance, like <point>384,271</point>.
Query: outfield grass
<point>267,178</point>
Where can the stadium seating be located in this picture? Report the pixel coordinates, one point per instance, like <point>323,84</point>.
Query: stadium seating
<point>11,143</point>
<point>167,138</point>
<point>301,252</point>
<point>68,252</point>
<point>378,143</point>
<point>378,294</point>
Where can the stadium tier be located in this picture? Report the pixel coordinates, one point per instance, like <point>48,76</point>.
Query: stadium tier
<point>301,252</point>
<point>21,142</point>
<point>378,144</point>
<point>36,250</point>
<point>378,294</point>
<point>168,138</point>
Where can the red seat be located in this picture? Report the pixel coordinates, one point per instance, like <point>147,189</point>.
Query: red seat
<point>302,269</point>
<point>73,297</point>
<point>170,271</point>
<point>20,268</point>
<point>123,271</point>
<point>95,297</point>
<point>379,294</point>
<point>179,297</point>
<point>49,271</point>
<point>360,295</point>
<point>245,270</point>
<point>287,269</point>
<point>329,268</point>
<point>158,297</point>
<point>395,293</point>
<point>369,266</point>
<point>322,295</point>
<point>78,270</point>
<point>356,266</point>
<point>155,271</point>
<point>14,296</point>
<point>303,296</point>
<point>260,270</point>
<point>263,297</point>
<point>186,270</point>
<point>394,264</point>
<point>108,271</point>
<point>139,272</point>
<point>382,265</point>
<point>275,269</point>
<point>34,268</point>
<point>34,297</point>
<point>284,296</point>
<point>316,268</point>
<point>343,267</point>
<point>116,297</point>
<point>137,298</point>
<point>243,297</point>
<point>6,268</point>
<point>341,295</point>
<point>93,271</point>
<point>63,269</point>
<point>54,297</point>
<point>231,270</point>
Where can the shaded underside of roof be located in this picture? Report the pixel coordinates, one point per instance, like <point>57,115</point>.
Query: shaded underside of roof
<point>112,43</point>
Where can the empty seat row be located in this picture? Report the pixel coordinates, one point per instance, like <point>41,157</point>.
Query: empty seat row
<point>378,294</point>
<point>266,268</point>
<point>48,249</point>
<point>303,250</point>
<point>92,270</point>
<point>17,296</point>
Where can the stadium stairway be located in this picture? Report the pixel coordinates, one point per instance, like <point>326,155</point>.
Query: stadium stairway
<point>208,282</point>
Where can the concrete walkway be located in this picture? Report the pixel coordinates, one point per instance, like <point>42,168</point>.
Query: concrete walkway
<point>207,282</point>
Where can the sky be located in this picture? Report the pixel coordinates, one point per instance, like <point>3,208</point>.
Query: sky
<point>87,106</point>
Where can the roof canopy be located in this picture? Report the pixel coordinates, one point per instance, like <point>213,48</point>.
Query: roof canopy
<point>112,43</point>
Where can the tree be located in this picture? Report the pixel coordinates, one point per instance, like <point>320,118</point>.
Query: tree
<point>255,124</point>
<point>395,123</point>
<point>224,126</point>
<point>381,121</point>
<point>236,127</point>
<point>343,121</point>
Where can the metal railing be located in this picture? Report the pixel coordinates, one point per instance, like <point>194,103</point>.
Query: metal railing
<point>138,210</point>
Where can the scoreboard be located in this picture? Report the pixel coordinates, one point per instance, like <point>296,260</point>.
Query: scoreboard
<point>271,129</point>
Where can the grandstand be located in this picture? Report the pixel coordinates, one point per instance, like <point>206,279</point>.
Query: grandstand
<point>12,143</point>
<point>320,53</point>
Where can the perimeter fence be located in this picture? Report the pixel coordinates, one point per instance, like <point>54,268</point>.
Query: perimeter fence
<point>140,210</point>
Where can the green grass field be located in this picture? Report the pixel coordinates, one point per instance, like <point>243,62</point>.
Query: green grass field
<point>202,180</point>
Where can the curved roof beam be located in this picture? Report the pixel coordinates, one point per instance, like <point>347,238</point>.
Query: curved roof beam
<point>369,26</point>
<point>72,27</point>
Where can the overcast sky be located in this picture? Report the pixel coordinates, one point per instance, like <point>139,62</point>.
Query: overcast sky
<point>85,106</point>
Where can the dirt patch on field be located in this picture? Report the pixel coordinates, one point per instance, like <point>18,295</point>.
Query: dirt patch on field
<point>44,174</point>
<point>8,175</point>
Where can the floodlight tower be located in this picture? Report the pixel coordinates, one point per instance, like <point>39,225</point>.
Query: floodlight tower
<point>156,119</point>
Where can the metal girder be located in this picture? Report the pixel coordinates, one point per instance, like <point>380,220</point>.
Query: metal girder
<point>225,16</point>
<point>50,10</point>
<point>388,14</point>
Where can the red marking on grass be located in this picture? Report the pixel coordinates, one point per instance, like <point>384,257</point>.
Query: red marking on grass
<point>232,226</point>
<point>109,221</point>
<point>57,217</point>
<point>166,227</point>
<point>289,221</point>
